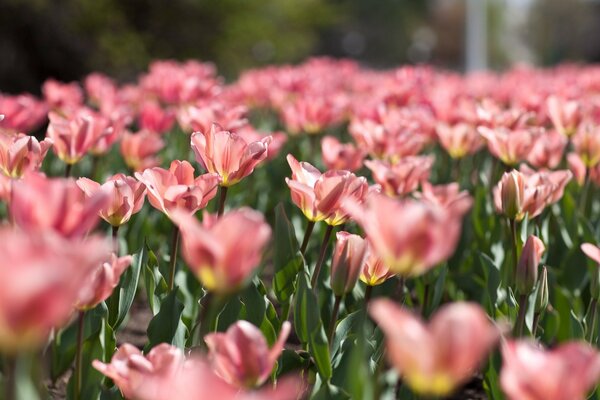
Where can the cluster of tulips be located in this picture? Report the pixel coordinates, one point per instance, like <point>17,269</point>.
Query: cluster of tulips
<point>350,207</point>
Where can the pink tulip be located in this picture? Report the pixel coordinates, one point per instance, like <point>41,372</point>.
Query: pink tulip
<point>527,267</point>
<point>39,204</point>
<point>435,359</point>
<point>577,167</point>
<point>564,114</point>
<point>139,149</point>
<point>250,135</point>
<point>447,196</point>
<point>374,272</point>
<point>348,259</point>
<point>126,194</point>
<point>567,372</point>
<point>409,236</point>
<point>155,119</point>
<point>201,117</point>
<point>310,114</point>
<point>41,275</point>
<point>459,140</point>
<point>556,181</point>
<point>510,146</point>
<point>403,177</point>
<point>223,252</point>
<point>241,355</point>
<point>22,113</point>
<point>586,143</point>
<point>59,95</point>
<point>341,156</point>
<point>320,196</point>
<point>177,187</point>
<point>75,135</point>
<point>591,251</point>
<point>101,283</point>
<point>21,153</point>
<point>547,151</point>
<point>228,154</point>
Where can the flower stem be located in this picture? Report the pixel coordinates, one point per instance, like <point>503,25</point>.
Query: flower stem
<point>368,294</point>
<point>400,289</point>
<point>334,315</point>
<point>513,230</point>
<point>593,312</point>
<point>317,271</point>
<point>173,260</point>
<point>78,356</point>
<point>519,325</point>
<point>309,229</point>
<point>584,192</point>
<point>115,239</point>
<point>222,197</point>
<point>536,322</point>
<point>10,382</point>
<point>68,170</point>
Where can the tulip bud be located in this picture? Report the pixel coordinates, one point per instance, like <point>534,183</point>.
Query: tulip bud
<point>527,268</point>
<point>541,298</point>
<point>348,259</point>
<point>512,192</point>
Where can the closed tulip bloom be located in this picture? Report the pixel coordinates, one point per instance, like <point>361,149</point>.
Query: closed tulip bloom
<point>320,196</point>
<point>403,177</point>
<point>567,372</point>
<point>374,272</point>
<point>586,143</point>
<point>228,154</point>
<point>223,252</point>
<point>101,283</point>
<point>41,276</point>
<point>409,236</point>
<point>564,114</point>
<point>21,153</point>
<point>144,377</point>
<point>75,135</point>
<point>241,356</point>
<point>348,259</point>
<point>527,267</point>
<point>126,196</point>
<point>139,150</point>
<point>40,204</point>
<point>459,140</point>
<point>435,359</point>
<point>512,194</point>
<point>177,187</point>
<point>341,156</point>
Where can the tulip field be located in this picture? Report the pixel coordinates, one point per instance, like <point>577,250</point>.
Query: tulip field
<point>315,231</point>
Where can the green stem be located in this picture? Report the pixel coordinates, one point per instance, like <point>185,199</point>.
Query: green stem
<point>513,230</point>
<point>400,289</point>
<point>593,312</point>
<point>317,271</point>
<point>425,298</point>
<point>309,230</point>
<point>334,315</point>
<point>584,193</point>
<point>536,322</point>
<point>368,294</point>
<point>68,170</point>
<point>520,324</point>
<point>222,197</point>
<point>10,381</point>
<point>115,238</point>
<point>173,260</point>
<point>78,356</point>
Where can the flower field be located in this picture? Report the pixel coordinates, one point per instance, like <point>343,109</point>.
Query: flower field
<point>317,231</point>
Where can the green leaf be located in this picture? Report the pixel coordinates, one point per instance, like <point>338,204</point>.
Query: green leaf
<point>287,259</point>
<point>122,298</point>
<point>309,326</point>
<point>166,326</point>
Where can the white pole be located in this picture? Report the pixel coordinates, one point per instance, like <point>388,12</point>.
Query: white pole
<point>476,35</point>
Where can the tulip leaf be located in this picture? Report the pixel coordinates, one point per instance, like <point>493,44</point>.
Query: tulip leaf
<point>309,326</point>
<point>121,300</point>
<point>287,259</point>
<point>166,326</point>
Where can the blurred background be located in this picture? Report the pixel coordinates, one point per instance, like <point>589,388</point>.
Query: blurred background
<point>66,39</point>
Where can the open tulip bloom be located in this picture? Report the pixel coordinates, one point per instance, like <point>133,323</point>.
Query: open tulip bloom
<point>400,234</point>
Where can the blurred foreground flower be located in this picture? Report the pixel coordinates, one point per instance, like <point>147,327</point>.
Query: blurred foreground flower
<point>102,281</point>
<point>435,359</point>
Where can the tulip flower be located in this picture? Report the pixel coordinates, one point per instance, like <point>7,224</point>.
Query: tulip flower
<point>512,192</point>
<point>403,177</point>
<point>310,114</point>
<point>564,114</point>
<point>126,197</point>
<point>228,154</point>
<point>241,355</point>
<point>139,150</point>
<point>177,187</point>
<point>567,372</point>
<point>409,236</point>
<point>22,113</point>
<point>155,119</point>
<point>459,140</point>
<point>435,359</point>
<point>75,135</point>
<point>21,153</point>
<point>223,252</point>
<point>201,117</point>
<point>320,196</point>
<point>348,259</point>
<point>577,168</point>
<point>586,143</point>
<point>510,146</point>
<point>40,204</point>
<point>41,275</point>
<point>59,95</point>
<point>374,272</point>
<point>341,156</point>
<point>102,282</point>
<point>547,150</point>
<point>527,268</point>
<point>447,196</point>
